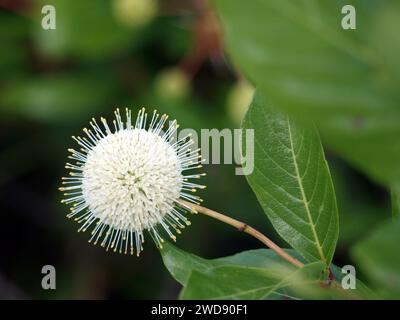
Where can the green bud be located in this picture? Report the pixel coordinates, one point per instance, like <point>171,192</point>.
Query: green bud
<point>172,84</point>
<point>135,13</point>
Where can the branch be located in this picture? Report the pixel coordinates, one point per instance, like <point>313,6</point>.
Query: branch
<point>243,227</point>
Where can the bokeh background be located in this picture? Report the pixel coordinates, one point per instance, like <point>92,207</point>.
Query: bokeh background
<point>166,54</point>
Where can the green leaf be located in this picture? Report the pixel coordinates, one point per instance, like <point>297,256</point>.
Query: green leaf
<point>180,263</point>
<point>292,182</point>
<point>378,257</point>
<point>240,282</point>
<point>183,265</point>
<point>298,55</point>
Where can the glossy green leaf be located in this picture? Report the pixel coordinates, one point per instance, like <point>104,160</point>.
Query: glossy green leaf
<point>292,182</point>
<point>378,257</point>
<point>240,282</point>
<point>297,53</point>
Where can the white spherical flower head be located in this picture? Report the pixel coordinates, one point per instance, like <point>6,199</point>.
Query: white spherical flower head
<point>131,179</point>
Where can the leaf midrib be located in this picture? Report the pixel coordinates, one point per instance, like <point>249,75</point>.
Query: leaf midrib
<point>303,195</point>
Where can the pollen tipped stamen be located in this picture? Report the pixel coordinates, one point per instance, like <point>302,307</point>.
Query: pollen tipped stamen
<point>131,179</point>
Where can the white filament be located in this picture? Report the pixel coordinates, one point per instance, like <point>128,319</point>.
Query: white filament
<point>129,180</point>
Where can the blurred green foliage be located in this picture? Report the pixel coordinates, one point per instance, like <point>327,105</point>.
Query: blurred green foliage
<point>297,53</point>
<point>53,81</point>
<point>378,257</point>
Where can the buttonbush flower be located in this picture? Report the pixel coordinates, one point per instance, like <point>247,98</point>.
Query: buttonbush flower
<point>130,178</point>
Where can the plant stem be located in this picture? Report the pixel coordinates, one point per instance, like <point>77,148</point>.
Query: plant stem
<point>243,227</point>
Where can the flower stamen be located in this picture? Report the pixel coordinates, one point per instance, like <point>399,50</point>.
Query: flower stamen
<point>130,179</point>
